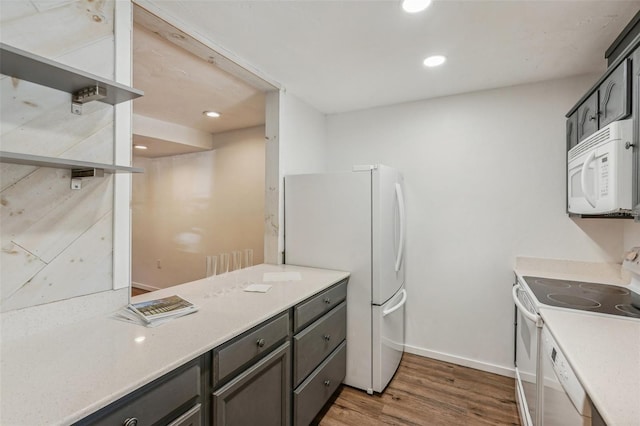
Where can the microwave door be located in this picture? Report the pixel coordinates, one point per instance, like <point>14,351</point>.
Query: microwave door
<point>582,180</point>
<point>588,180</point>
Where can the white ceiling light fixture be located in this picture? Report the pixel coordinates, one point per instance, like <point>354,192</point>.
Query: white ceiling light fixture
<point>211,114</point>
<point>434,61</point>
<point>136,146</point>
<point>415,6</point>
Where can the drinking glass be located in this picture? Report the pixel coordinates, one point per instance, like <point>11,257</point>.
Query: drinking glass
<point>248,258</point>
<point>237,260</point>
<point>212,265</point>
<point>224,263</point>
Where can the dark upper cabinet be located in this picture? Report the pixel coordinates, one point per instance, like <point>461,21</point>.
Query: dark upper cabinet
<point>610,101</point>
<point>588,116</point>
<point>615,95</point>
<point>572,131</point>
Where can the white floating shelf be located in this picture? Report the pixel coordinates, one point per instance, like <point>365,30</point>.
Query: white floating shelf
<point>18,63</point>
<point>61,163</point>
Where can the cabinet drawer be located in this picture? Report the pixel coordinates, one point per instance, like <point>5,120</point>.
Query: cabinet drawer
<point>248,347</point>
<point>314,308</point>
<point>314,392</point>
<point>156,402</point>
<point>192,417</point>
<point>315,342</point>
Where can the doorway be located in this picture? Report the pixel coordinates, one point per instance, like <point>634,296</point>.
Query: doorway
<point>203,191</point>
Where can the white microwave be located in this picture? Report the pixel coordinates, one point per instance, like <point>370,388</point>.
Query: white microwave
<point>599,171</point>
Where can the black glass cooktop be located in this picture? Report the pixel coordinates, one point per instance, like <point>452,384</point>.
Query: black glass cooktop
<point>601,298</point>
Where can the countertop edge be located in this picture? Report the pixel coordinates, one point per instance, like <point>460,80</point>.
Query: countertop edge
<point>281,304</point>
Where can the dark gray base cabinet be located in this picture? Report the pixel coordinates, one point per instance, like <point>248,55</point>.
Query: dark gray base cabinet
<point>174,399</point>
<point>247,381</point>
<point>259,395</point>
<point>319,351</point>
<point>315,391</point>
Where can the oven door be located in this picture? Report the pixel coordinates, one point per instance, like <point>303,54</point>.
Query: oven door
<point>527,346</point>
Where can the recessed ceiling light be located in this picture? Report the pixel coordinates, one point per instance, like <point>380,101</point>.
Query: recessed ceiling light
<point>434,61</point>
<point>415,6</point>
<point>212,114</point>
<point>140,147</point>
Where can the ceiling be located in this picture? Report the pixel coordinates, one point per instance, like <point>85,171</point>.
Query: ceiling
<point>340,56</point>
<point>179,86</point>
<point>347,55</point>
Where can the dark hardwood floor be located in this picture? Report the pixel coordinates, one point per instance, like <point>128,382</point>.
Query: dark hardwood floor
<point>428,392</point>
<point>425,392</point>
<point>136,291</point>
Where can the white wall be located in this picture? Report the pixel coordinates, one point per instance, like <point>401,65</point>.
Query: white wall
<point>631,235</point>
<point>485,182</point>
<point>296,134</point>
<point>57,244</point>
<point>186,207</point>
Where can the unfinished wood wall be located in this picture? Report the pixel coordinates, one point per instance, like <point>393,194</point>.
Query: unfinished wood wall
<point>55,243</point>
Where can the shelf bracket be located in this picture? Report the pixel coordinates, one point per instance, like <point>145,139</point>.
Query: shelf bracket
<point>78,174</point>
<point>90,172</point>
<point>88,94</point>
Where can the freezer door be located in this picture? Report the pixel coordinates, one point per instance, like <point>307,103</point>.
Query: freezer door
<point>328,225</point>
<point>388,339</point>
<point>328,222</point>
<point>389,224</point>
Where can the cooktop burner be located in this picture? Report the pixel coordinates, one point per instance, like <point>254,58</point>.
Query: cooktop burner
<point>592,297</point>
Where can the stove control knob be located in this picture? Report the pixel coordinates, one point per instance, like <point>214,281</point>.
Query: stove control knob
<point>631,256</point>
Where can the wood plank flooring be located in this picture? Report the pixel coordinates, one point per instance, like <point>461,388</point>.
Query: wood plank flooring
<point>136,291</point>
<point>427,392</point>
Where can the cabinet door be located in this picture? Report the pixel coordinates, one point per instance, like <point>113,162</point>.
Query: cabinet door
<point>614,95</point>
<point>635,58</point>
<point>588,116</point>
<point>572,131</point>
<point>260,395</point>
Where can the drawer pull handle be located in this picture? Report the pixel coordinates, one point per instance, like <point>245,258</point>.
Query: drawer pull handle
<point>260,343</point>
<point>326,337</point>
<point>130,422</point>
<point>327,300</point>
<point>327,383</point>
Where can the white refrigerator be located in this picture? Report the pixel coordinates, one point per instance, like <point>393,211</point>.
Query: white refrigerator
<point>355,221</point>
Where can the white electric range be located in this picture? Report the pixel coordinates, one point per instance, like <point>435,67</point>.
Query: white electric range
<point>547,389</point>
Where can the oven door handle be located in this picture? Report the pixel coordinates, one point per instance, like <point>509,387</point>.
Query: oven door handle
<point>535,318</point>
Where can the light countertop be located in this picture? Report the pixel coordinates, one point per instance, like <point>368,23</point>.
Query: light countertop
<point>65,374</point>
<point>603,350</point>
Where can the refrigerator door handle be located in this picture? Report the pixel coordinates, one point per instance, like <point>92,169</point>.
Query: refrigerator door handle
<point>400,200</point>
<point>396,306</point>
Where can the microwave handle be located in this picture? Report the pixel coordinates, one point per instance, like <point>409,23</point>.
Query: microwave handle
<point>583,179</point>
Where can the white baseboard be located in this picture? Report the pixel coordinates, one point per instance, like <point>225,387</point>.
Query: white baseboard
<point>144,286</point>
<point>458,360</point>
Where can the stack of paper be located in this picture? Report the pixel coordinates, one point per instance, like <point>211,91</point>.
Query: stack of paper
<point>157,311</point>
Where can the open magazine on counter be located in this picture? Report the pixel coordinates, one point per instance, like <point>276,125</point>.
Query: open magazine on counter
<point>152,313</point>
